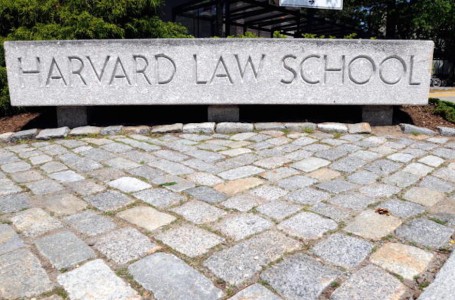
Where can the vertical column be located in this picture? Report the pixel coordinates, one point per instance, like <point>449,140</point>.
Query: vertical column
<point>72,116</point>
<point>223,113</point>
<point>377,115</point>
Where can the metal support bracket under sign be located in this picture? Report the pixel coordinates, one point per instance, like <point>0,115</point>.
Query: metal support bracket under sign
<point>321,4</point>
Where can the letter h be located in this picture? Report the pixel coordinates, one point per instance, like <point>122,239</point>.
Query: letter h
<point>29,72</point>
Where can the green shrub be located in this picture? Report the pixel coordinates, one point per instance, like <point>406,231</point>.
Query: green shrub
<point>444,109</point>
<point>79,19</point>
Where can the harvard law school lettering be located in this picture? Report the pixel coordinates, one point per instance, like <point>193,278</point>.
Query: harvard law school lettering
<point>204,71</point>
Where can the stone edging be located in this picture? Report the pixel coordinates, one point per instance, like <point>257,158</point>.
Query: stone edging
<point>210,128</point>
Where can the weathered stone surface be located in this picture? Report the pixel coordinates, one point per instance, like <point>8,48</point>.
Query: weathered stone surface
<point>170,278</point>
<point>85,130</point>
<point>241,226</point>
<point>304,126</point>
<point>263,126</point>
<point>95,280</point>
<point>129,184</point>
<point>199,212</point>
<point>371,225</point>
<point>443,287</point>
<point>64,249</point>
<point>141,129</point>
<point>240,172</point>
<point>370,283</point>
<point>233,127</point>
<point>66,176</point>
<point>239,185</point>
<point>255,292</point>
<point>72,116</point>
<point>9,240</point>
<point>242,261</point>
<point>378,115</point>
<point>22,275</point>
<point>34,221</point>
<point>300,277</point>
<point>171,128</point>
<point>402,209</point>
<point>206,194</point>
<point>308,226</point>
<point>269,74</point>
<point>110,200</point>
<point>446,131</point>
<point>90,223</point>
<point>424,196</point>
<point>333,127</point>
<point>359,128</point>
<point>62,203</point>
<point>206,128</point>
<point>54,133</point>
<point>426,233</point>
<point>404,260</point>
<point>124,245</point>
<point>14,203</point>
<point>343,250</point>
<point>310,164</point>
<point>190,240</point>
<point>23,135</point>
<point>6,137</point>
<point>111,130</point>
<point>146,217</point>
<point>408,128</point>
<point>159,197</point>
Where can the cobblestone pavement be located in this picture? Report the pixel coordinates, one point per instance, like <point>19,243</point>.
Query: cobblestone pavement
<point>257,215</point>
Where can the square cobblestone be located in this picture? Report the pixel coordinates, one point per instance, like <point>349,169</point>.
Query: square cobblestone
<point>342,250</point>
<point>423,196</point>
<point>425,233</point>
<point>22,275</point>
<point>354,201</point>
<point>34,222</point>
<point>89,223</point>
<point>190,240</point>
<point>242,261</point>
<point>255,292</point>
<point>370,283</point>
<point>201,178</point>
<point>379,190</point>
<point>109,200</point>
<point>295,182</point>
<point>129,184</point>
<point>124,245</point>
<point>206,194</point>
<point>404,260</point>
<point>14,202</point>
<point>363,177</point>
<point>240,172</point>
<point>95,280</point>
<point>159,197</point>
<point>146,217</point>
<point>371,225</point>
<point>300,277</point>
<point>62,203</point>
<point>268,192</point>
<point>310,164</point>
<point>308,196</point>
<point>308,226</point>
<point>66,176</point>
<point>45,186</point>
<point>336,186</point>
<point>170,278</point>
<point>402,209</point>
<point>278,210</point>
<point>9,240</point>
<point>337,214</point>
<point>64,249</point>
<point>199,212</point>
<point>241,226</point>
<point>243,202</point>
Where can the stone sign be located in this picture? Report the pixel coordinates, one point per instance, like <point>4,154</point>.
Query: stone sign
<point>218,72</point>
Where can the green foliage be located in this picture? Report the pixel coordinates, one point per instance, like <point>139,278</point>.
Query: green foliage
<point>246,35</point>
<point>79,19</point>
<point>279,35</point>
<point>444,109</point>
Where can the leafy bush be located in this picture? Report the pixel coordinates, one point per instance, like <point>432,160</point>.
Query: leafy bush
<point>444,109</point>
<point>79,19</point>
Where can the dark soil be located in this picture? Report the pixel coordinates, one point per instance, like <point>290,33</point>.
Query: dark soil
<point>151,115</point>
